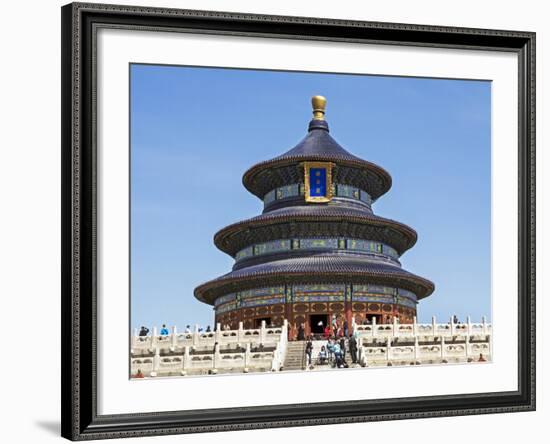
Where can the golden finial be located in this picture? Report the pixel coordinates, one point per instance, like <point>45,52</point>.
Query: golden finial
<point>319,104</point>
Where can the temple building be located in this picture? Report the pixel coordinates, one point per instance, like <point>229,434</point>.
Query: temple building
<point>317,252</point>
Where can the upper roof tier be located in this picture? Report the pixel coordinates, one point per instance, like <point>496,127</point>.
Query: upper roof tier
<point>318,145</point>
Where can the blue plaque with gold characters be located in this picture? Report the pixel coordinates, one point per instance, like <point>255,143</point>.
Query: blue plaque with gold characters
<point>318,181</point>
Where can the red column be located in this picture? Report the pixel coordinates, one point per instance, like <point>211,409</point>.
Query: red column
<point>396,312</point>
<point>240,317</point>
<point>348,315</point>
<point>288,312</point>
<point>347,307</point>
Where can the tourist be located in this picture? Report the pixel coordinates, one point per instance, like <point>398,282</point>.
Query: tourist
<point>326,332</point>
<point>301,333</point>
<point>338,355</point>
<point>455,319</point>
<point>352,343</point>
<point>143,331</point>
<point>322,355</point>
<point>164,331</point>
<point>343,346</point>
<point>346,328</point>
<point>139,374</point>
<point>187,329</point>
<point>208,330</point>
<point>330,348</point>
<point>309,350</point>
<point>481,358</point>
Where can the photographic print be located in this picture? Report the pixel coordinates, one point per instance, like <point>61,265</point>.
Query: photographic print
<point>288,221</point>
<point>254,206</point>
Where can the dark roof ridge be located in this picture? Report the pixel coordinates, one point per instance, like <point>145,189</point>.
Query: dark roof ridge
<point>313,213</point>
<point>328,267</point>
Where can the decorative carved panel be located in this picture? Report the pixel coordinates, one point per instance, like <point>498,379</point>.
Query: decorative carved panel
<point>319,307</point>
<point>249,312</point>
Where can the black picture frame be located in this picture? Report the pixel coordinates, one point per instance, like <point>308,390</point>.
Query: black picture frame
<point>79,385</point>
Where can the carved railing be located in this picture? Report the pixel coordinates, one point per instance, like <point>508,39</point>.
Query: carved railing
<point>225,351</point>
<point>448,330</point>
<point>174,339</point>
<point>395,343</point>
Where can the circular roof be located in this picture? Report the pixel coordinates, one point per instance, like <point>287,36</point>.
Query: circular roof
<point>317,145</point>
<point>286,221</point>
<point>318,268</point>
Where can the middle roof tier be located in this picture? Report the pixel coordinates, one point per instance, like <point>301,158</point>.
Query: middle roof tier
<point>315,221</point>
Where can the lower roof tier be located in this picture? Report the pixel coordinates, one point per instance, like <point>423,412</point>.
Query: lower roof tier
<point>314,269</point>
<point>314,220</point>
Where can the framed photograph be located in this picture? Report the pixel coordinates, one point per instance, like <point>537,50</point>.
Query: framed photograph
<point>275,221</point>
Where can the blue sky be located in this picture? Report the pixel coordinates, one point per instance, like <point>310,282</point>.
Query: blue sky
<point>195,131</point>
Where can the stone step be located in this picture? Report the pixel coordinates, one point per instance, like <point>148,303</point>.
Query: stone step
<point>294,358</point>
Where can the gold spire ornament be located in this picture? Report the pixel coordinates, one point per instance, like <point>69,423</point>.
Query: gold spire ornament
<point>319,104</point>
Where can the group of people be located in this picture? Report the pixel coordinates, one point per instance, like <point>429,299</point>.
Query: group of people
<point>337,330</point>
<point>334,351</point>
<point>340,339</point>
<point>164,331</point>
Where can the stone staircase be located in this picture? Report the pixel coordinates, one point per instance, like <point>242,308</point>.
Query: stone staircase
<point>295,355</point>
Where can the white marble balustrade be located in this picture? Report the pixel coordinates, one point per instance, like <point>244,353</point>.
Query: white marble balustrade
<point>447,329</point>
<point>403,344</point>
<point>227,351</point>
